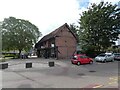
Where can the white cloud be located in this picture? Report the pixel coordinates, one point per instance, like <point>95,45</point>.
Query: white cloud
<point>46,14</point>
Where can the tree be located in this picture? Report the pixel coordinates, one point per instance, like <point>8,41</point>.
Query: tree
<point>99,26</point>
<point>75,29</point>
<point>18,34</point>
<point>0,40</point>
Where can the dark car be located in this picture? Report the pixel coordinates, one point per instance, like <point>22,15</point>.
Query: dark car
<point>116,56</point>
<point>81,59</point>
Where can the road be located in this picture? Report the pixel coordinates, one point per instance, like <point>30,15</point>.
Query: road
<point>62,75</point>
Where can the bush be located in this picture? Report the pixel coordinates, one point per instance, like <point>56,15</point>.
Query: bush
<point>13,55</point>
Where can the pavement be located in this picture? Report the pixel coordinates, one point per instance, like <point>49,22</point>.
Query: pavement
<point>62,75</point>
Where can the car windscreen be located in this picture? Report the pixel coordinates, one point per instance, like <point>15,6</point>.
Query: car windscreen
<point>102,55</point>
<point>83,57</point>
<point>109,55</point>
<point>117,54</point>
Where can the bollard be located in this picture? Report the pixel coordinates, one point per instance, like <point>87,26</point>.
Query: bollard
<point>51,64</point>
<point>3,65</point>
<point>28,65</point>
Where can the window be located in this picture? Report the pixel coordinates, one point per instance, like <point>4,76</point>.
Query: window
<point>83,57</point>
<point>52,45</point>
<point>109,55</point>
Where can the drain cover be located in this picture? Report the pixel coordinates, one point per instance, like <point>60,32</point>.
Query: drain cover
<point>81,74</point>
<point>92,71</point>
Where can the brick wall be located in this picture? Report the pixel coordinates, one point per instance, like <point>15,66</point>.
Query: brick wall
<point>66,43</point>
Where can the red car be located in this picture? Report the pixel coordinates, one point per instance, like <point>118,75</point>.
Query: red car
<point>81,59</point>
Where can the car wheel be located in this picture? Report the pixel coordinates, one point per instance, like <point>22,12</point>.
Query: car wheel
<point>104,61</point>
<point>91,62</point>
<point>112,60</point>
<point>78,63</point>
<point>72,62</point>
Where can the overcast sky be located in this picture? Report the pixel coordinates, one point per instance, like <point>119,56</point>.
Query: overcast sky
<point>47,15</point>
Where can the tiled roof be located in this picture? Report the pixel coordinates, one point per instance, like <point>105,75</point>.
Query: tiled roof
<point>54,34</point>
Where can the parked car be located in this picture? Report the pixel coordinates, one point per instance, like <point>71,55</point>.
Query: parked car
<point>104,57</point>
<point>116,56</point>
<point>81,59</point>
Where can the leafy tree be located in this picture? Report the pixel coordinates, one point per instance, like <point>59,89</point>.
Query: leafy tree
<point>0,40</point>
<point>18,34</point>
<point>99,27</point>
<point>75,29</point>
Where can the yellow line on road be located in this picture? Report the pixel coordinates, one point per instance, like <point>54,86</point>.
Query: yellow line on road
<point>114,78</point>
<point>112,82</point>
<point>98,86</point>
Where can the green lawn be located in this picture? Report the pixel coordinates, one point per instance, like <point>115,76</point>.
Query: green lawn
<point>5,59</point>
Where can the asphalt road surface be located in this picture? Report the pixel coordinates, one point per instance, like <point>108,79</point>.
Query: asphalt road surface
<point>62,75</point>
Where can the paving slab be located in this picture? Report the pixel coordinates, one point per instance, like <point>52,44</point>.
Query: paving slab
<point>62,75</point>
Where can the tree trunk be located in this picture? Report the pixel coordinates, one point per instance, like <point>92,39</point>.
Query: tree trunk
<point>19,53</point>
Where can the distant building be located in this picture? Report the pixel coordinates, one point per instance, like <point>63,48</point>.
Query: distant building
<point>60,44</point>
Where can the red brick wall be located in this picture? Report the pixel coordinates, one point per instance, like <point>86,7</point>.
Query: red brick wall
<point>66,44</point>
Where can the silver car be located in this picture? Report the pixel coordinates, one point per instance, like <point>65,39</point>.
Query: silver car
<point>104,57</point>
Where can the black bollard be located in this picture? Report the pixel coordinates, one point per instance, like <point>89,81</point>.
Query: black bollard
<point>28,65</point>
<point>3,65</point>
<point>51,64</point>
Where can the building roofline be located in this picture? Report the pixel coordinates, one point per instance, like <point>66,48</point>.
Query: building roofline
<point>53,34</point>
